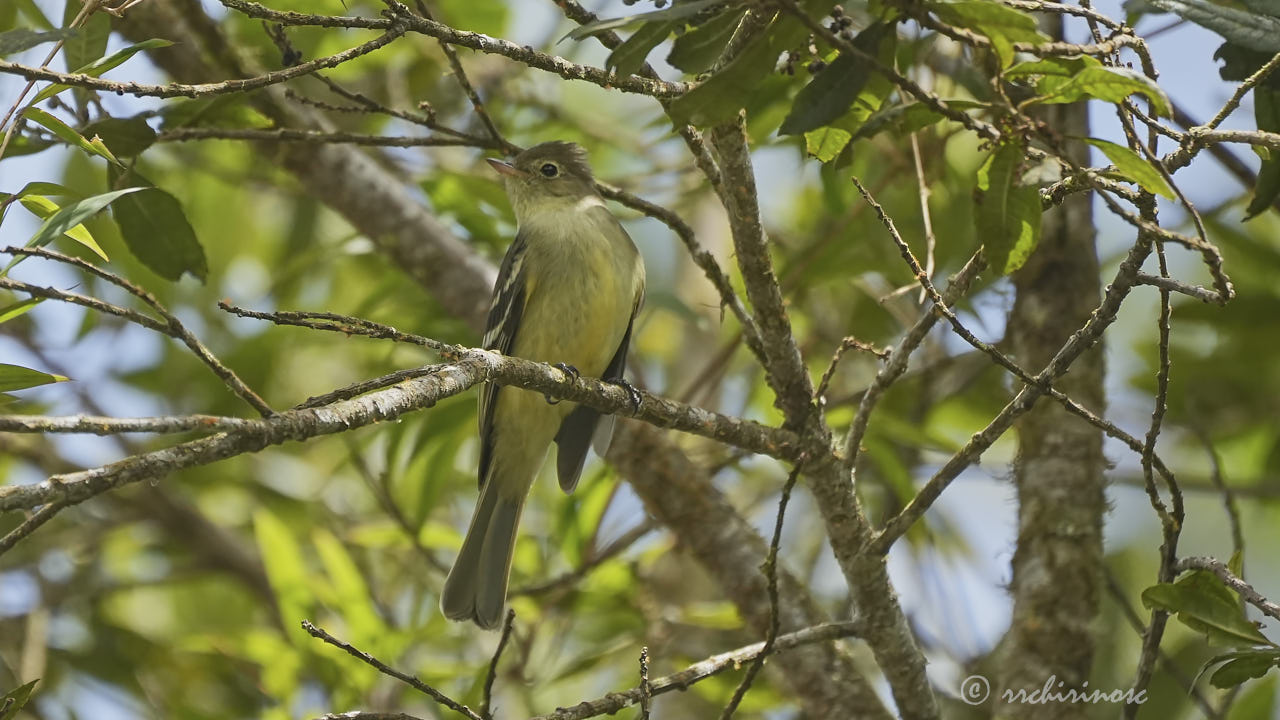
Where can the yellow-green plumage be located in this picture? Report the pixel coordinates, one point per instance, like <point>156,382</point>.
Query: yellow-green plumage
<point>569,288</point>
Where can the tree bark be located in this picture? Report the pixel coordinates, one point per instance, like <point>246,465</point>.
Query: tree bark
<point>1056,576</point>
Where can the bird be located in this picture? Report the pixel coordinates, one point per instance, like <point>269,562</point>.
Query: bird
<point>568,292</point>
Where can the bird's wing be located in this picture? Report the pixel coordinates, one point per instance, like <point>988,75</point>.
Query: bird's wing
<point>505,312</point>
<point>584,427</point>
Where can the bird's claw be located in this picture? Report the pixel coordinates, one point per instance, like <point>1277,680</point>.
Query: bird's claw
<point>567,369</point>
<point>632,393</point>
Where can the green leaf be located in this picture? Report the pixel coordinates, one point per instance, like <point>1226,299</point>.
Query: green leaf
<point>1134,167</point>
<point>909,117</point>
<point>98,67</point>
<point>1239,63</point>
<point>156,229</point>
<point>677,11</point>
<point>722,95</point>
<point>1205,605</point>
<point>697,50</point>
<point>1244,666</point>
<point>71,215</point>
<point>68,135</point>
<point>44,208</point>
<point>825,143</point>
<point>15,41</point>
<point>19,697</point>
<point>1257,32</point>
<point>1052,66</point>
<point>16,377</point>
<point>1105,83</point>
<point>17,309</point>
<point>90,40</point>
<point>1236,564</point>
<point>125,137</point>
<point>834,89</point>
<point>1266,112</point>
<point>630,55</point>
<point>1008,217</point>
<point>351,594</point>
<point>1002,24</point>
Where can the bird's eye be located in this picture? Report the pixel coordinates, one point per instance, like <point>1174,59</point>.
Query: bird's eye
<point>549,170</point>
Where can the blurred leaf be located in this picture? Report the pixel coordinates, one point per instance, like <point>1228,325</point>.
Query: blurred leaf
<point>287,571</point>
<point>156,229</point>
<point>97,67</point>
<point>15,41</point>
<point>125,137</point>
<point>908,118</point>
<point>1205,605</point>
<point>1266,112</point>
<point>74,214</point>
<point>44,208</point>
<point>222,110</point>
<point>1002,24</point>
<point>698,49</point>
<point>1257,702</point>
<point>1009,215</point>
<point>1244,666</point>
<point>1238,63</point>
<point>834,89</point>
<point>1134,167</point>
<point>21,307</point>
<point>631,54</point>
<point>30,10</point>
<point>1256,32</point>
<point>16,699</point>
<point>27,145</point>
<point>677,11</point>
<point>489,18</point>
<point>1236,563</point>
<point>351,594</point>
<point>90,40</point>
<point>16,377</point>
<point>67,134</point>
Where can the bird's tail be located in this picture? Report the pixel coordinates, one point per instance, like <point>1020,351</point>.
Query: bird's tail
<point>476,588</point>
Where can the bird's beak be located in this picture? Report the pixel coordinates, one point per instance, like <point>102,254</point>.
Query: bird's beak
<point>505,168</point>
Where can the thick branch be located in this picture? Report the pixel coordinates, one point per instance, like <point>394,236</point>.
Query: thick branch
<point>388,404</point>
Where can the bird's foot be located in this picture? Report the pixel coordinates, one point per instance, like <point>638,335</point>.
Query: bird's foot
<point>569,370</point>
<point>632,392</point>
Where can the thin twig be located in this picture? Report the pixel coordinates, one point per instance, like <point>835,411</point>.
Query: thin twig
<point>171,325</point>
<point>309,136</point>
<point>770,569</point>
<point>710,667</point>
<point>486,701</point>
<point>393,31</point>
<point>383,668</point>
<point>1228,578</point>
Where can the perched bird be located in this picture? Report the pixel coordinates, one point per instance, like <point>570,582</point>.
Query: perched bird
<point>567,293</point>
